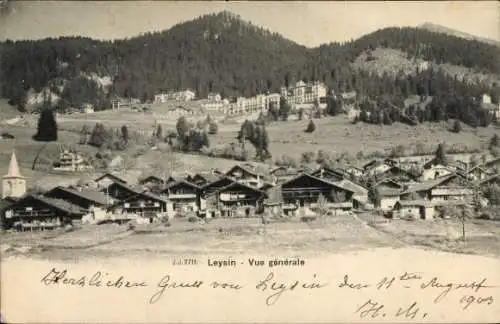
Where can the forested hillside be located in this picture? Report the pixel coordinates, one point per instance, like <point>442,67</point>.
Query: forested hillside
<point>220,52</point>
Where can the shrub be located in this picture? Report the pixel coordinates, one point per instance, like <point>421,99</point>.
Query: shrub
<point>457,127</point>
<point>213,128</point>
<point>193,219</point>
<point>310,127</point>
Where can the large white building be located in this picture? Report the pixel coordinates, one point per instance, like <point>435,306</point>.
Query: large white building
<point>305,95</point>
<point>184,95</point>
<point>258,103</point>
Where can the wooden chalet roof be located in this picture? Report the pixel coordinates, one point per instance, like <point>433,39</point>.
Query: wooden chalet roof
<point>253,169</point>
<point>492,162</point>
<point>90,195</point>
<point>151,177</point>
<point>490,179</point>
<point>428,203</point>
<point>354,187</point>
<point>245,186</point>
<point>58,204</point>
<point>428,185</point>
<point>181,182</point>
<point>112,176</point>
<point>325,181</point>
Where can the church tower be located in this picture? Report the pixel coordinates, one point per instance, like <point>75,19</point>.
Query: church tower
<point>13,183</point>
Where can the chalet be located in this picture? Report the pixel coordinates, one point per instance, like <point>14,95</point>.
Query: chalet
<point>249,174</point>
<point>143,205</point>
<point>422,209</point>
<point>85,199</point>
<point>203,178</point>
<point>398,174</point>
<point>351,170</point>
<point>451,187</point>
<point>494,179</point>
<point>477,173</point>
<point>212,187</point>
<point>386,194</point>
<point>108,178</point>
<point>236,200</point>
<point>305,190</point>
<point>184,196</point>
<point>71,161</point>
<point>283,173</point>
<point>415,209</point>
<point>328,174</point>
<point>360,197</point>
<point>377,166</point>
<point>155,183</point>
<point>492,166</point>
<point>35,212</point>
<point>120,191</point>
<point>435,172</point>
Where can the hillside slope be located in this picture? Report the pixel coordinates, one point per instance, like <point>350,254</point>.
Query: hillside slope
<point>453,32</point>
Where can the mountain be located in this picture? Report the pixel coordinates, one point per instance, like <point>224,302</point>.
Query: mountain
<point>453,32</point>
<point>223,53</point>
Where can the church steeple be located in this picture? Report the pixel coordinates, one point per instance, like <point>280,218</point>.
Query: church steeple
<point>13,183</point>
<point>13,171</point>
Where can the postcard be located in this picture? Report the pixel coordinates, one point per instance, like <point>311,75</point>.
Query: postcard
<point>249,162</point>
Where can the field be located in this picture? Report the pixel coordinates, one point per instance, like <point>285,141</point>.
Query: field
<point>238,236</point>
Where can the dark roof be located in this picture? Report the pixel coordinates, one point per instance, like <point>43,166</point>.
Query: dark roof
<point>491,178</point>
<point>219,180</point>
<point>207,176</point>
<point>58,204</point>
<point>90,195</point>
<point>326,181</point>
<point>427,185</point>
<point>151,177</point>
<point>493,161</point>
<point>174,184</point>
<point>112,176</point>
<point>253,169</point>
<point>239,184</point>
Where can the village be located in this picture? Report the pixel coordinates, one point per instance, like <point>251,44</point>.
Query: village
<point>248,190</point>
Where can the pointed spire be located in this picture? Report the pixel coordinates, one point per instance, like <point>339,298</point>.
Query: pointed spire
<point>13,171</point>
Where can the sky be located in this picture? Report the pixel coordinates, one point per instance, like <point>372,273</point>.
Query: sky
<point>307,23</point>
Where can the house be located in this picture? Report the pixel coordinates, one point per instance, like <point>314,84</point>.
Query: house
<point>87,108</point>
<point>249,174</point>
<point>454,186</point>
<point>494,179</point>
<point>477,173</point>
<point>436,171</point>
<point>106,179</point>
<point>282,173</point>
<point>386,194</point>
<point>423,209</point>
<point>184,195</point>
<point>377,166</point>
<point>71,161</point>
<point>13,183</point>
<point>144,205</point>
<point>305,94</point>
<point>304,191</point>
<point>492,166</point>
<point>361,194</point>
<point>235,200</point>
<point>202,178</point>
<point>36,212</point>
<point>214,97</point>
<point>351,170</point>
<point>399,174</point>
<point>120,191</point>
<point>416,209</point>
<point>329,174</point>
<point>155,183</point>
<point>83,198</point>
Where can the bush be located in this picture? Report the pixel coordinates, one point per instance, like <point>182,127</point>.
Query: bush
<point>193,219</point>
<point>213,128</point>
<point>457,127</point>
<point>310,127</point>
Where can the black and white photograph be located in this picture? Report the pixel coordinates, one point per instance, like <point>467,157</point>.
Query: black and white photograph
<point>247,161</point>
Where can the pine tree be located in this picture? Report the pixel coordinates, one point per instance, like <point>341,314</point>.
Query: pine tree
<point>495,141</point>
<point>47,127</point>
<point>457,127</point>
<point>159,131</point>
<point>440,155</point>
<point>124,134</point>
